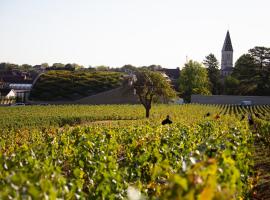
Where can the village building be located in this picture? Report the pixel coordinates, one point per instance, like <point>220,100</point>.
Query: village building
<point>7,93</point>
<point>19,82</point>
<point>172,75</point>
<point>227,56</point>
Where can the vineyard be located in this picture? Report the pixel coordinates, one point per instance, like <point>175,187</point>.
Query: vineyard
<point>113,152</point>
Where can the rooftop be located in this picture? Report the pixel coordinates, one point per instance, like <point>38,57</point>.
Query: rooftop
<point>4,92</point>
<point>227,46</point>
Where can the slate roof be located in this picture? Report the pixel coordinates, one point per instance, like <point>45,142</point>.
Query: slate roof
<point>171,73</point>
<point>14,77</point>
<point>227,46</point>
<point>4,92</point>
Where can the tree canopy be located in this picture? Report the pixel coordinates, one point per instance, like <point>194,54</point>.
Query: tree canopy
<point>252,70</point>
<point>231,85</point>
<point>151,87</point>
<point>261,56</point>
<point>245,67</point>
<point>213,73</point>
<point>193,80</point>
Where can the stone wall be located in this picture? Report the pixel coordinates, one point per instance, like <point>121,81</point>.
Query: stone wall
<point>229,99</point>
<point>115,96</point>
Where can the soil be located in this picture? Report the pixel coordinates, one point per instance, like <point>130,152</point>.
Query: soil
<point>261,190</point>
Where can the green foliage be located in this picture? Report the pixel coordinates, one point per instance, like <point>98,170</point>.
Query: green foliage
<point>152,67</point>
<point>261,56</point>
<point>4,67</point>
<point>26,67</point>
<point>44,65</point>
<point>247,73</point>
<point>102,68</point>
<point>231,85</point>
<point>253,72</point>
<point>8,66</point>
<point>196,157</point>
<point>213,73</point>
<point>58,65</point>
<point>193,80</point>
<point>261,114</point>
<point>244,67</point>
<point>150,87</point>
<point>128,68</point>
<point>66,85</point>
<point>61,115</point>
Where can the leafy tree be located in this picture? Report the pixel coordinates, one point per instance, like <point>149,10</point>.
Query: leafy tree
<point>8,66</point>
<point>128,68</point>
<point>261,56</point>
<point>231,85</point>
<point>69,67</point>
<point>213,73</point>
<point>253,72</point>
<point>26,67</point>
<point>102,68</point>
<point>58,65</point>
<point>153,67</point>
<point>44,65</point>
<point>77,66</point>
<point>244,79</point>
<point>150,87</point>
<point>193,80</point>
<point>245,67</point>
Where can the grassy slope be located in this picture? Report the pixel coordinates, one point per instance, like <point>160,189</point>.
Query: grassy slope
<point>70,85</point>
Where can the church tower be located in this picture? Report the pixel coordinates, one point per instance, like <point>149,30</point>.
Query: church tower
<point>227,56</point>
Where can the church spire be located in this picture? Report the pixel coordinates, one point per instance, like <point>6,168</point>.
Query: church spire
<point>227,56</point>
<point>227,46</point>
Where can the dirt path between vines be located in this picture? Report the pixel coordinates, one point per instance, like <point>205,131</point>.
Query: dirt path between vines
<point>261,191</point>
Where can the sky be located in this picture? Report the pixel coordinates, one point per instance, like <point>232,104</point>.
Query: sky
<point>137,32</point>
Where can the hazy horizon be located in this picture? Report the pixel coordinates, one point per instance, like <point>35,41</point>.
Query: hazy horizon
<point>119,32</point>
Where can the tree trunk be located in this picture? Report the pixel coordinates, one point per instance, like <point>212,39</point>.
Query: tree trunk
<point>147,112</point>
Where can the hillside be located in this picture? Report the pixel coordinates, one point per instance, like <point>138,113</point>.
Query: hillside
<point>70,85</point>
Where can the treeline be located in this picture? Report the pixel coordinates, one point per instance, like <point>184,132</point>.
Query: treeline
<point>43,66</point>
<point>250,75</point>
<point>4,66</point>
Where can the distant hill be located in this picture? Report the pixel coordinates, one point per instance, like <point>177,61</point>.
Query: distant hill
<point>71,85</point>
